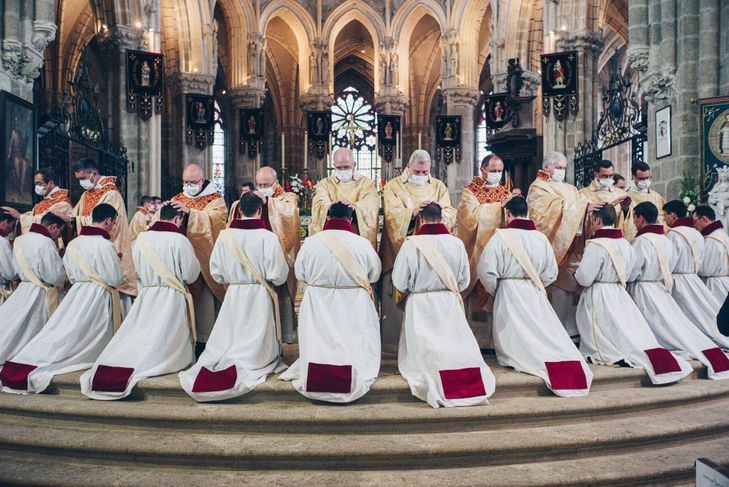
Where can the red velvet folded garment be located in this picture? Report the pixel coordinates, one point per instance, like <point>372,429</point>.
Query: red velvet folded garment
<point>567,374</point>
<point>15,375</point>
<point>663,361</point>
<point>329,378</point>
<point>716,357</point>
<point>111,379</point>
<point>209,381</point>
<point>462,383</point>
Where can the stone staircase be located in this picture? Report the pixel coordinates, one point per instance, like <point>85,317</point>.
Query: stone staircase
<point>626,432</point>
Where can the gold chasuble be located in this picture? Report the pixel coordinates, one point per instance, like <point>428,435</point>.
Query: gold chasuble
<point>361,192</point>
<point>107,192</point>
<point>558,210</point>
<point>401,198</point>
<point>281,216</point>
<point>57,201</point>
<point>233,213</point>
<point>202,226</point>
<point>637,196</point>
<point>140,222</point>
<point>479,215</point>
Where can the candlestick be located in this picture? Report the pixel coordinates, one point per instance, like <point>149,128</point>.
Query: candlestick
<point>283,150</point>
<point>397,147</point>
<point>306,149</point>
<point>420,139</point>
<point>331,147</point>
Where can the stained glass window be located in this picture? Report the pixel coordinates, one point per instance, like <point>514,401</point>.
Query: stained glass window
<point>482,149</point>
<point>354,123</point>
<point>218,152</point>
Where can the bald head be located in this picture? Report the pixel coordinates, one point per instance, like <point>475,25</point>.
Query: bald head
<point>192,174</point>
<point>343,159</point>
<point>266,177</point>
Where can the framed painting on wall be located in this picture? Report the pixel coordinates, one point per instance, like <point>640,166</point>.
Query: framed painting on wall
<point>17,146</point>
<point>663,132</point>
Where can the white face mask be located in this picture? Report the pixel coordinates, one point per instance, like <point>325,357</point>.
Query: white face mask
<point>40,190</point>
<point>190,189</point>
<point>157,207</point>
<point>419,180</point>
<point>344,175</point>
<point>86,184</point>
<point>558,175</point>
<point>266,191</point>
<point>493,178</point>
<point>606,182</point>
<point>643,184</point>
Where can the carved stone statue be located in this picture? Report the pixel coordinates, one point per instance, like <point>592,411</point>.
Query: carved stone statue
<point>514,80</point>
<point>719,196</point>
<point>325,67</point>
<point>395,68</point>
<point>251,57</point>
<point>313,68</point>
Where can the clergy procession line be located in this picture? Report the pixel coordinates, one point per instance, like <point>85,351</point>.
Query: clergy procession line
<point>191,287</point>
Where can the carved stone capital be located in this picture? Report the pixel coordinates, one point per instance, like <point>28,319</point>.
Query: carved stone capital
<point>391,104</point>
<point>659,86</point>
<point>43,33</point>
<point>531,81</point>
<point>584,41</point>
<point>312,102</point>
<point>14,58</point>
<point>639,58</point>
<point>499,81</point>
<point>247,97</point>
<point>183,83</point>
<point>462,97</point>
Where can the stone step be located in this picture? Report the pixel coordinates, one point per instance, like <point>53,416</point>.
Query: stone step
<point>672,465</point>
<point>254,414</point>
<point>389,387</point>
<point>281,451</point>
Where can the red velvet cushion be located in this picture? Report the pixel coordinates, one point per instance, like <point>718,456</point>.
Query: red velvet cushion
<point>15,376</point>
<point>567,374</point>
<point>462,383</point>
<point>329,378</point>
<point>209,381</point>
<point>111,379</point>
<point>663,361</point>
<point>717,358</point>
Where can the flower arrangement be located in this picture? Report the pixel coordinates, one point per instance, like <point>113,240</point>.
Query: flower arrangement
<point>303,188</point>
<point>688,192</point>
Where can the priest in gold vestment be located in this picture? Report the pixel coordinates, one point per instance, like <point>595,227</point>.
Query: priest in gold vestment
<point>143,217</point>
<point>353,189</point>
<point>281,216</point>
<point>205,212</point>
<point>404,197</point>
<point>234,214</point>
<point>102,189</point>
<point>54,199</point>
<point>479,215</point>
<point>639,191</point>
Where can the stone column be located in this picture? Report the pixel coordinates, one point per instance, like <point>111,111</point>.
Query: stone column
<point>25,34</point>
<point>565,135</point>
<point>462,101</point>
<point>182,84</point>
<point>241,98</point>
<point>708,73</point>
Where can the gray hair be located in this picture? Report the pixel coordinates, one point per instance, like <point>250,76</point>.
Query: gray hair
<point>419,155</point>
<point>553,157</point>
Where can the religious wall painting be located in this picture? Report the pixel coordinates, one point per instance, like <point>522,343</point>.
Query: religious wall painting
<point>448,138</point>
<point>559,83</point>
<point>17,126</point>
<point>714,130</point>
<point>663,132</point>
<point>145,82</point>
<point>200,114</point>
<point>388,134</point>
<point>251,131</point>
<point>496,110</point>
<point>319,127</point>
